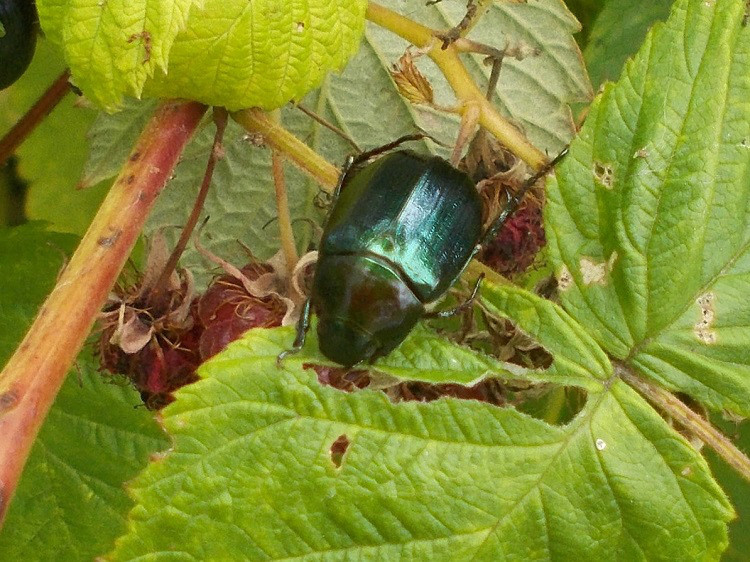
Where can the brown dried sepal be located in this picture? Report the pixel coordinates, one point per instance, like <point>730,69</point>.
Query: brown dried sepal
<point>148,333</point>
<point>411,83</point>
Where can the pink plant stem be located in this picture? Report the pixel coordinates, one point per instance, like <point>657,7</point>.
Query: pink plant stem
<point>33,376</point>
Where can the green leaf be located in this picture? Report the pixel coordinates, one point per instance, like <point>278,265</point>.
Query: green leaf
<point>30,259</point>
<point>429,357</point>
<point>424,356</point>
<point>648,221</point>
<point>585,12</point>
<point>234,53</point>
<point>111,139</point>
<point>617,32</point>
<point>737,489</point>
<point>113,47</point>
<point>251,476</point>
<point>70,504</point>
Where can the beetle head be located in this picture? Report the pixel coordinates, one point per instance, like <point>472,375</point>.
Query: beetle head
<point>344,342</point>
<point>364,307</point>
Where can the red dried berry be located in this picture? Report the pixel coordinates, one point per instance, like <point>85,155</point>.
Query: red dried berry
<point>152,338</point>
<point>227,310</point>
<point>517,243</point>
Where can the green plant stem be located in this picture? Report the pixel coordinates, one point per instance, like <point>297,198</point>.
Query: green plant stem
<point>690,420</point>
<point>460,80</point>
<point>34,374</point>
<point>282,206</point>
<point>257,121</point>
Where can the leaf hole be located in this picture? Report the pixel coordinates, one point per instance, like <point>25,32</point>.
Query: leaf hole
<point>555,405</point>
<point>338,450</point>
<point>604,174</point>
<point>340,378</point>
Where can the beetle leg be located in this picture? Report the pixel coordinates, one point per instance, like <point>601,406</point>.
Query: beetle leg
<point>368,154</point>
<point>354,160</point>
<point>461,307</point>
<point>514,200</point>
<point>303,324</point>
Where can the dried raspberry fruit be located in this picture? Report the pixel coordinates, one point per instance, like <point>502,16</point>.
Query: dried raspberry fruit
<point>148,331</point>
<point>228,309</point>
<point>515,247</point>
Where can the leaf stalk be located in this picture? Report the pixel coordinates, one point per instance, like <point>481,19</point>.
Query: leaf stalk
<point>258,121</point>
<point>690,420</point>
<point>34,116</point>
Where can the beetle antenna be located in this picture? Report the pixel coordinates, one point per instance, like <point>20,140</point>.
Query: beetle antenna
<point>514,201</point>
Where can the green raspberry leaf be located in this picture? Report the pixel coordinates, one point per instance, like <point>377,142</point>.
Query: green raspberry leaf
<point>616,34</point>
<point>230,53</point>
<point>252,476</point>
<point>70,503</point>
<point>578,360</point>
<point>649,223</point>
<point>429,357</point>
<point>113,47</point>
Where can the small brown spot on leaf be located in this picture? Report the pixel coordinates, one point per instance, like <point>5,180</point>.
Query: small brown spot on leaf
<point>299,27</point>
<point>135,156</point>
<point>338,449</point>
<point>641,153</point>
<point>604,174</point>
<point>564,279</point>
<point>131,179</point>
<point>703,328</point>
<point>596,273</point>
<point>145,36</point>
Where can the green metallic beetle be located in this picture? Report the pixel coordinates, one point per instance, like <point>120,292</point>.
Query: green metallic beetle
<point>401,231</point>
